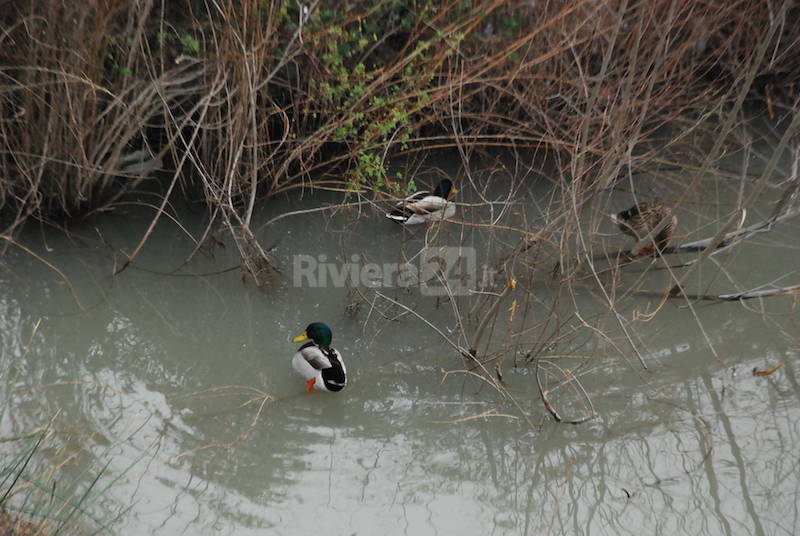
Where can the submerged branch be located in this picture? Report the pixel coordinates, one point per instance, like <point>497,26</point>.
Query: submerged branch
<point>734,237</point>
<point>568,379</point>
<point>44,261</point>
<point>792,290</point>
<point>473,348</point>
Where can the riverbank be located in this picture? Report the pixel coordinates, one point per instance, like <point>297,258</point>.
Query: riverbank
<point>238,103</point>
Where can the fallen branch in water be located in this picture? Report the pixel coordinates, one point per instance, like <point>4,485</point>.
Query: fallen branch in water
<point>473,348</point>
<point>44,261</point>
<point>750,294</point>
<point>568,379</point>
<point>793,290</point>
<point>734,237</point>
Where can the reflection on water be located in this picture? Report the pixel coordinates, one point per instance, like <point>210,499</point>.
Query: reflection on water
<point>183,386</point>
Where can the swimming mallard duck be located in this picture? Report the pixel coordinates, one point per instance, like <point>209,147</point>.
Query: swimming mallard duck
<point>423,207</point>
<point>642,218</point>
<point>321,365</point>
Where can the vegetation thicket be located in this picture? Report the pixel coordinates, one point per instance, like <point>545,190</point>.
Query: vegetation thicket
<point>243,100</point>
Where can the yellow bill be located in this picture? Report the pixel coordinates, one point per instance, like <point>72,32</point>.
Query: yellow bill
<point>300,338</point>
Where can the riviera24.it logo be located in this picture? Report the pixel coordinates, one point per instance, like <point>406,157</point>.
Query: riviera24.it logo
<point>436,271</point>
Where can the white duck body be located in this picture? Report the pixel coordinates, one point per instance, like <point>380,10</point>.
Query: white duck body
<point>425,207</point>
<point>324,366</point>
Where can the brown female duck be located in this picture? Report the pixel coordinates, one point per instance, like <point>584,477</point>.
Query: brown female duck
<point>643,218</point>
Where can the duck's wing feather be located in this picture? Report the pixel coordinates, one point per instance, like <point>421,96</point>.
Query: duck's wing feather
<point>416,196</point>
<point>403,209</point>
<point>427,204</point>
<point>315,357</point>
<point>410,200</point>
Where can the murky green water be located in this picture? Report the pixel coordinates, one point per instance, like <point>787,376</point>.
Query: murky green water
<point>182,385</point>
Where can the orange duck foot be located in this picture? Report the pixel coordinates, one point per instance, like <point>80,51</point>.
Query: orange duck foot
<point>310,385</point>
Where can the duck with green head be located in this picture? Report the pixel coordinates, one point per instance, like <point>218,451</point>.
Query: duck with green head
<point>321,366</point>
